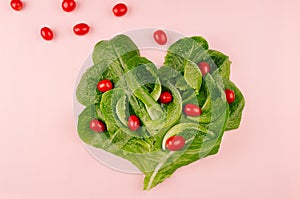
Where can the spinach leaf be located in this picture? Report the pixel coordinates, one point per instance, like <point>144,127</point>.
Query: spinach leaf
<point>190,48</point>
<point>200,145</point>
<point>221,75</point>
<point>220,63</point>
<point>110,58</point>
<point>235,108</point>
<point>116,51</point>
<point>87,92</point>
<point>192,75</point>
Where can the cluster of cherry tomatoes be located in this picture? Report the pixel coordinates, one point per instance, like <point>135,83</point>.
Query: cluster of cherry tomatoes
<point>176,142</point>
<point>80,29</point>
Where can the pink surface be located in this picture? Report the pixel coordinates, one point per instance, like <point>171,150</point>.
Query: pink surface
<point>40,153</point>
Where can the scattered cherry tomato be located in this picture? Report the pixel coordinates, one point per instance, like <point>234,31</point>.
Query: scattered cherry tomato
<point>204,68</point>
<point>165,97</point>
<point>192,110</point>
<point>133,122</point>
<point>160,37</point>
<point>68,5</point>
<point>175,143</point>
<point>230,96</point>
<point>17,5</point>
<point>119,9</point>
<point>97,126</point>
<point>105,85</point>
<point>47,33</point>
<point>81,29</point>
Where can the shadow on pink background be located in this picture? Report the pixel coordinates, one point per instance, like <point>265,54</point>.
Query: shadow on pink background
<point>40,153</point>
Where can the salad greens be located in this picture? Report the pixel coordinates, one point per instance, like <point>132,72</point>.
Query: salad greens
<point>138,85</point>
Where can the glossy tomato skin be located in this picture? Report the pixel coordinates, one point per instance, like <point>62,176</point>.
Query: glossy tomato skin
<point>81,29</point>
<point>105,85</point>
<point>204,68</point>
<point>160,37</point>
<point>133,123</point>
<point>230,96</point>
<point>175,143</point>
<point>47,33</point>
<point>68,5</point>
<point>165,97</point>
<point>192,110</point>
<point>97,126</point>
<point>120,9</point>
<point>17,5</point>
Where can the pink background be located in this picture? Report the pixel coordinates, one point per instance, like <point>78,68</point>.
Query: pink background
<point>40,153</point>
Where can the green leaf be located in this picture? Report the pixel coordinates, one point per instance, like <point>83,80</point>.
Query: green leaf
<point>235,108</point>
<point>220,63</point>
<point>117,50</point>
<point>108,108</point>
<point>192,75</point>
<point>137,85</point>
<point>121,110</point>
<point>87,92</point>
<point>198,146</point>
<point>188,48</point>
<point>98,140</point>
<point>110,58</point>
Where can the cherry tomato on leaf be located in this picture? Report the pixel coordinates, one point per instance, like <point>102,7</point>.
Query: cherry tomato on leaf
<point>175,143</point>
<point>97,126</point>
<point>230,96</point>
<point>119,9</point>
<point>47,33</point>
<point>68,5</point>
<point>160,37</point>
<point>17,5</point>
<point>165,97</point>
<point>105,85</point>
<point>133,123</point>
<point>81,29</point>
<point>204,68</point>
<point>192,110</point>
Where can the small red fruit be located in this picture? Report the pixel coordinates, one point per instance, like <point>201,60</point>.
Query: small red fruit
<point>47,33</point>
<point>192,110</point>
<point>17,5</point>
<point>133,123</point>
<point>230,96</point>
<point>81,29</point>
<point>160,37</point>
<point>165,97</point>
<point>204,68</point>
<point>68,5</point>
<point>97,126</point>
<point>105,85</point>
<point>119,9</point>
<point>175,143</point>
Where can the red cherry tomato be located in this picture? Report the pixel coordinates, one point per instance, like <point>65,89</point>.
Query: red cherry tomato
<point>192,110</point>
<point>175,143</point>
<point>230,96</point>
<point>160,37</point>
<point>81,29</point>
<point>97,126</point>
<point>165,97</point>
<point>119,9</point>
<point>105,85</point>
<point>133,123</point>
<point>16,5</point>
<point>47,33</point>
<point>68,5</point>
<point>204,68</point>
